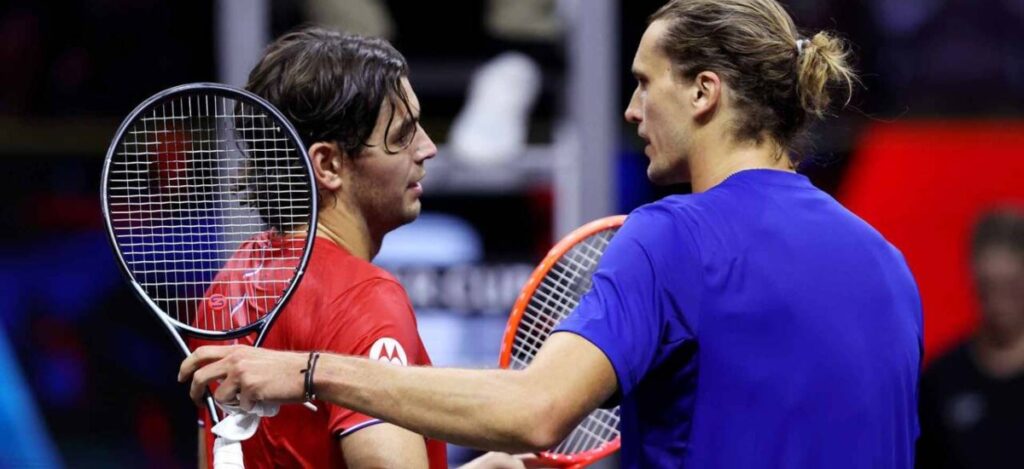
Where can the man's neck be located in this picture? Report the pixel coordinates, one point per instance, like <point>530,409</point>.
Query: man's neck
<point>350,232</point>
<point>712,164</point>
<point>999,356</point>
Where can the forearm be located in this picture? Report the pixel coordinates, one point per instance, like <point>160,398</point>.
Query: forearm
<point>489,409</point>
<point>506,410</point>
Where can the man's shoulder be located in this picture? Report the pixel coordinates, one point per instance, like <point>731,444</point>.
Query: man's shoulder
<point>335,280</point>
<point>336,268</point>
<point>687,210</point>
<point>670,210</point>
<point>666,223</point>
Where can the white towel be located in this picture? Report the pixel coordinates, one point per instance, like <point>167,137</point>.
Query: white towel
<point>239,425</point>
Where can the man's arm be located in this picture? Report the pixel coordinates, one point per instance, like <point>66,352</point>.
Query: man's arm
<point>499,460</point>
<point>384,445</point>
<point>521,410</point>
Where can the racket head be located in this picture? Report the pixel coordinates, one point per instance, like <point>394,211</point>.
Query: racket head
<point>192,173</point>
<point>550,294</point>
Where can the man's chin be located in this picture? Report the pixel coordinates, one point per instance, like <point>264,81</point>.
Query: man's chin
<point>412,212</point>
<point>666,177</point>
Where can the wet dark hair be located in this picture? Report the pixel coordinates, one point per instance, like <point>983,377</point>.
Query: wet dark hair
<point>779,78</point>
<point>331,85</point>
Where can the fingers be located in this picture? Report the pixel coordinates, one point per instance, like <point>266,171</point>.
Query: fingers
<point>202,378</point>
<point>245,402</point>
<point>494,460</point>
<point>262,374</point>
<point>531,461</point>
<point>200,357</point>
<point>227,392</point>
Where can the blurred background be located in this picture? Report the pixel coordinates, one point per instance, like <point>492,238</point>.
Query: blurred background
<point>525,98</point>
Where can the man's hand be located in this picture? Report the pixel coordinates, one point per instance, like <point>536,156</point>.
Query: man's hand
<point>247,375</point>
<point>498,460</point>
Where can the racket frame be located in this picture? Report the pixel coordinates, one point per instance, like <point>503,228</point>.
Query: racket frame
<point>173,326</point>
<point>508,339</point>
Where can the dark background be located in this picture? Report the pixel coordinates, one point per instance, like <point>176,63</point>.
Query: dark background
<point>88,375</point>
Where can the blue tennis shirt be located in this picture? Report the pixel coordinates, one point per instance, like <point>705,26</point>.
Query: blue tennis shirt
<point>758,324</point>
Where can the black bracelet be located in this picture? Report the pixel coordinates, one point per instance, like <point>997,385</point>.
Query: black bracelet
<point>310,368</point>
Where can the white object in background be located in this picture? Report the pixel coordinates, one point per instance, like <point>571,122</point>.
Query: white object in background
<point>492,125</point>
<point>243,30</point>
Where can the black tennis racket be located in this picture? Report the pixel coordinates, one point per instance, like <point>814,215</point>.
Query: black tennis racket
<point>202,185</point>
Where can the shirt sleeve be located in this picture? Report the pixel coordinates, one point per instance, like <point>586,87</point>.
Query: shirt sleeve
<point>634,313</point>
<point>375,320</point>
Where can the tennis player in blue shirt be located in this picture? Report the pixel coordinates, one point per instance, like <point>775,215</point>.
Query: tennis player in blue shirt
<point>755,323</point>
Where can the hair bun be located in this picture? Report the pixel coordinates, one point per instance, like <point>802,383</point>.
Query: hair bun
<point>822,67</point>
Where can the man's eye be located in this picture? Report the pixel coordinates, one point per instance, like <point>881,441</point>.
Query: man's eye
<point>405,137</point>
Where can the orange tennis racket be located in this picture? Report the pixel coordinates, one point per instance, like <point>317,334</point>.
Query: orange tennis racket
<point>552,292</point>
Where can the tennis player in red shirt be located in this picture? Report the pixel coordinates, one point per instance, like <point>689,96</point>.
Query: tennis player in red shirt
<point>350,99</point>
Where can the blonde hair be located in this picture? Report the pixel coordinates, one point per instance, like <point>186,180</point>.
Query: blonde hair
<point>779,77</point>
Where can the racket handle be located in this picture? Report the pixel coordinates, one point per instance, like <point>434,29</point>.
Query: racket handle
<point>227,454</point>
<point>212,408</point>
<point>309,405</point>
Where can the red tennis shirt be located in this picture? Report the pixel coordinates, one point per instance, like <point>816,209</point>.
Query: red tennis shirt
<point>343,305</point>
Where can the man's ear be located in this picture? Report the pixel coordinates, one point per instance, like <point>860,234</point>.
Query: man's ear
<point>707,94</point>
<point>327,165</point>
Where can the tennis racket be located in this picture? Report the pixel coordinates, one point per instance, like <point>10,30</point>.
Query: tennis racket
<point>202,186</point>
<point>552,292</point>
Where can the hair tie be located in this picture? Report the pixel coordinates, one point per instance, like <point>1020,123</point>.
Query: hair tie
<point>800,46</point>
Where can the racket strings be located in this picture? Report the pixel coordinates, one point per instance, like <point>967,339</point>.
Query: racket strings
<point>556,296</point>
<point>206,194</point>
<point>599,428</point>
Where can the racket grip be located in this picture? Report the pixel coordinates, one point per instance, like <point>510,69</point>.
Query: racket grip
<point>227,454</point>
